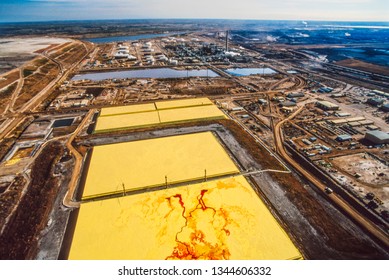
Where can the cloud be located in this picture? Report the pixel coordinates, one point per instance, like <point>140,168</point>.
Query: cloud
<point>228,9</point>
<point>332,3</point>
<point>111,2</point>
<point>270,38</point>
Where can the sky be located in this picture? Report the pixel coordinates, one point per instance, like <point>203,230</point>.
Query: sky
<point>343,10</point>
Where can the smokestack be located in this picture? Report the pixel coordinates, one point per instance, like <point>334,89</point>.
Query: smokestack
<point>227,41</point>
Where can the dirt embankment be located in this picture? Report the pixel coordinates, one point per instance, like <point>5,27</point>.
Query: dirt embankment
<point>326,234</point>
<point>38,74</point>
<point>341,238</point>
<point>9,78</point>
<point>10,198</point>
<point>7,143</point>
<point>364,66</point>
<point>19,239</point>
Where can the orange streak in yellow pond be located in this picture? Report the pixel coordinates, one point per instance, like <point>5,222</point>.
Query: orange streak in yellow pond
<point>219,219</point>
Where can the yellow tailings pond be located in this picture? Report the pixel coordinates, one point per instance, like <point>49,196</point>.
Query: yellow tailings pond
<point>220,218</point>
<point>152,114</point>
<point>148,163</point>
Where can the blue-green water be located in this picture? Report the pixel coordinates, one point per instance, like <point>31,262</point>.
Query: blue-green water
<point>157,73</point>
<point>250,71</point>
<point>102,40</point>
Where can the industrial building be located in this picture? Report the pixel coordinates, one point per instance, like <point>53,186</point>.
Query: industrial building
<point>343,138</point>
<point>327,106</point>
<point>343,114</point>
<point>375,101</point>
<point>122,52</point>
<point>124,55</point>
<point>295,95</point>
<point>377,137</point>
<point>325,90</point>
<point>287,110</point>
<point>338,95</point>
<point>385,107</point>
<point>288,104</point>
<point>381,93</point>
<point>372,127</point>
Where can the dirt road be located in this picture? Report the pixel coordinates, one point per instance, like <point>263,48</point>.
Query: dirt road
<point>361,220</point>
<point>68,199</point>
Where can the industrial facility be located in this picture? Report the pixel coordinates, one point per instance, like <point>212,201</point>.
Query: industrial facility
<point>192,143</point>
<point>377,137</point>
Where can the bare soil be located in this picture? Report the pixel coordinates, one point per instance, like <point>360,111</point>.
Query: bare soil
<point>5,96</point>
<point>19,239</point>
<point>364,66</point>
<point>7,143</point>
<point>9,78</point>
<point>44,72</point>
<point>9,199</point>
<point>69,55</point>
<point>16,51</point>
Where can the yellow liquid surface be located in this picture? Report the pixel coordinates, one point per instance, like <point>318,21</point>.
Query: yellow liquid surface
<point>126,121</point>
<point>220,219</point>
<point>145,115</point>
<point>12,161</point>
<point>127,109</point>
<point>191,113</point>
<point>142,164</point>
<point>183,103</point>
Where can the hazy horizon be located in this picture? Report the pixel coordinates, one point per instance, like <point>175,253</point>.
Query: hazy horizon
<point>195,19</point>
<point>12,11</point>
